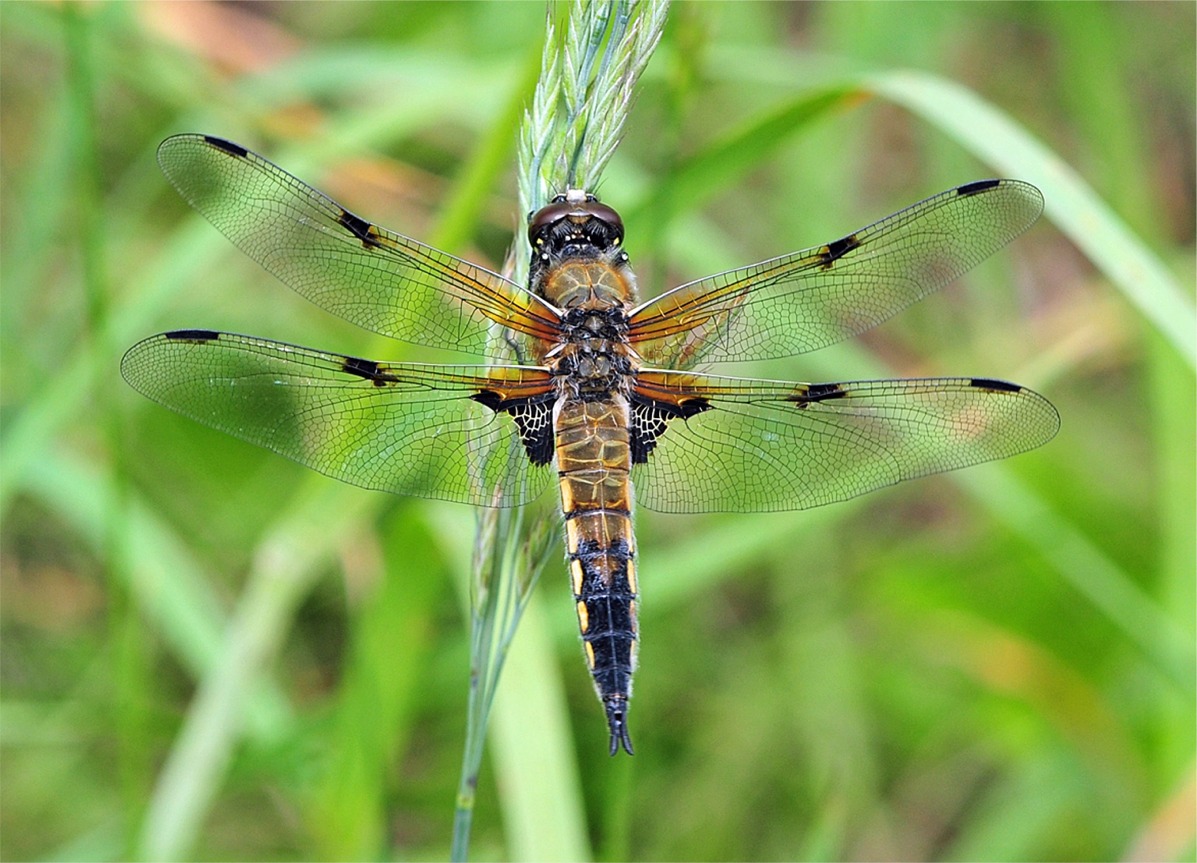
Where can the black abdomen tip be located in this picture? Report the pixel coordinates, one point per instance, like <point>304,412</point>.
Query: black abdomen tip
<point>617,723</point>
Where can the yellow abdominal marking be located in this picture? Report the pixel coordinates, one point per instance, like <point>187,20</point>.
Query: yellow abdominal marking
<point>578,575</point>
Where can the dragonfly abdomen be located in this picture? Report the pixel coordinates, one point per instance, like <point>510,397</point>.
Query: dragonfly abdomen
<point>593,461</point>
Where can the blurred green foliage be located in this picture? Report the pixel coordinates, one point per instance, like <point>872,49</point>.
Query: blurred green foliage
<point>209,653</point>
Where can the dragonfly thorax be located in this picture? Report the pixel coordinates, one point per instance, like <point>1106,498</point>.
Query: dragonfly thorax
<point>594,356</point>
<point>586,285</point>
<point>585,324</point>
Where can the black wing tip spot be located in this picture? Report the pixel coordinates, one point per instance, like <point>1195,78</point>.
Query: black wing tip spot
<point>994,385</point>
<point>838,248</point>
<point>227,146</point>
<point>977,187</point>
<point>192,335</point>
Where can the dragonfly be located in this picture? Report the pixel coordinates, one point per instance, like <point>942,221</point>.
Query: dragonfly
<point>580,384</point>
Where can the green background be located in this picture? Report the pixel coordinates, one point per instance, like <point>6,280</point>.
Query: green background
<point>997,664</point>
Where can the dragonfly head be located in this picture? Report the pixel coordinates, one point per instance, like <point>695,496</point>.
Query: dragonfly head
<point>574,225</point>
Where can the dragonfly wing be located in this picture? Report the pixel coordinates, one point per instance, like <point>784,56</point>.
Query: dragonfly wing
<point>816,297</point>
<point>375,278</point>
<point>708,444</point>
<point>476,434</point>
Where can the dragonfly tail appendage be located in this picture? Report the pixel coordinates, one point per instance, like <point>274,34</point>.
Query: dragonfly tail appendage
<point>617,723</point>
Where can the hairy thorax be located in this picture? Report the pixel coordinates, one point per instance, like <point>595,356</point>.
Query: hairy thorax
<point>593,359</point>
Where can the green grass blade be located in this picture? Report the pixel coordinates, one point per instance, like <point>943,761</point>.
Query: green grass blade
<point>533,749</point>
<point>1083,566</point>
<point>172,589</point>
<point>728,159</point>
<point>288,562</point>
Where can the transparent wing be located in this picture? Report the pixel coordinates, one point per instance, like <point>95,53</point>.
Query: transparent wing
<point>813,298</point>
<point>440,431</point>
<point>752,446</point>
<point>373,277</point>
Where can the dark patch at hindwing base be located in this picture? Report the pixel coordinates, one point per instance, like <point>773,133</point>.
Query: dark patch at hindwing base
<point>651,418</point>
<point>533,418</point>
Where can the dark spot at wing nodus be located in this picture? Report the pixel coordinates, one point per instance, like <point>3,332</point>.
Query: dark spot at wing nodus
<point>227,146</point>
<point>192,335</point>
<point>817,393</point>
<point>360,228</point>
<point>995,385</point>
<point>838,248</point>
<point>977,187</point>
<point>369,370</point>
